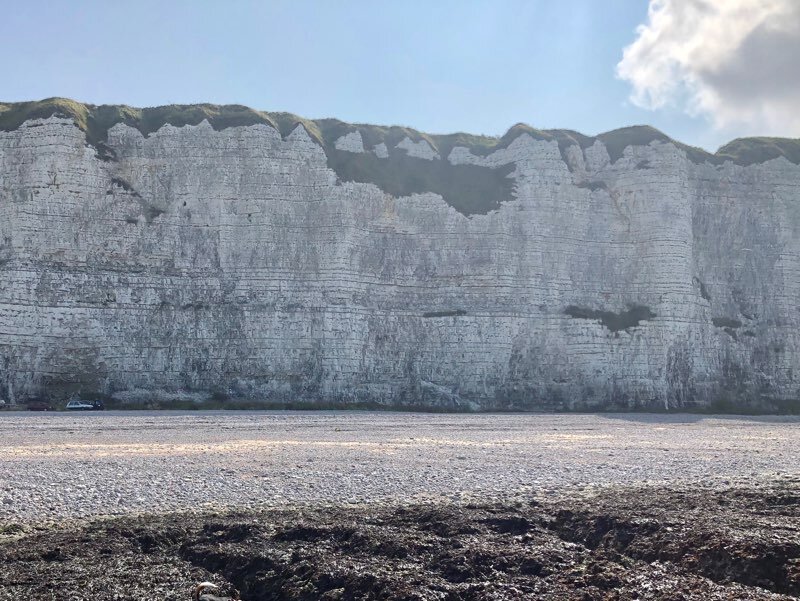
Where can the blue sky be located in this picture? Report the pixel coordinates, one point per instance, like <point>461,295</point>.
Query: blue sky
<point>439,66</point>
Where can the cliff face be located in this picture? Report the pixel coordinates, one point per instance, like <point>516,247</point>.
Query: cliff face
<point>368,265</point>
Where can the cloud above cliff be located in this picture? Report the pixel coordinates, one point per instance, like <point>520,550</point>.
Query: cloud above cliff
<point>735,61</point>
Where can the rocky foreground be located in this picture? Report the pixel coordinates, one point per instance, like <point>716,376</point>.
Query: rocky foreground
<point>621,543</point>
<point>140,506</point>
<point>76,466</point>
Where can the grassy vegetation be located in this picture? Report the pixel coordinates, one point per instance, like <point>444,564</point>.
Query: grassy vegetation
<point>470,189</point>
<point>96,121</point>
<point>747,151</point>
<point>15,114</point>
<point>376,134</point>
<point>639,135</point>
<point>477,144</point>
<point>287,122</point>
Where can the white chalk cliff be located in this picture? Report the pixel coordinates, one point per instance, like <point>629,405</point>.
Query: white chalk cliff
<point>249,262</point>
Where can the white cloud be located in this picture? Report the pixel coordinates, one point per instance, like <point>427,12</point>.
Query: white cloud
<point>736,61</point>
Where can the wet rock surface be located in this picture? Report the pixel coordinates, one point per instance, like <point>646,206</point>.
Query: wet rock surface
<point>636,542</point>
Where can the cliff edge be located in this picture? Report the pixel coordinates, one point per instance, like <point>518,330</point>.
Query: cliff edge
<point>196,252</point>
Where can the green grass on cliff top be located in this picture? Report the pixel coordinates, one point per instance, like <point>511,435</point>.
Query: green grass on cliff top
<point>96,121</point>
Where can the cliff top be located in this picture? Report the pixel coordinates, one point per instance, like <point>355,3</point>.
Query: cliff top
<point>96,121</point>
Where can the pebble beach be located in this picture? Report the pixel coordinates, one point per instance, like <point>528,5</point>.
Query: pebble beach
<point>65,466</point>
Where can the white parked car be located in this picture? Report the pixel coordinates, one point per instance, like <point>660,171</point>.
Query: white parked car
<point>79,406</point>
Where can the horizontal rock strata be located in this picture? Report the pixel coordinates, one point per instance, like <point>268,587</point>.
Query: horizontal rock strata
<point>257,261</point>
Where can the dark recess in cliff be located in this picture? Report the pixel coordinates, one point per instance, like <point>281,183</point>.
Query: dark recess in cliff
<point>728,325</point>
<point>593,186</point>
<point>726,322</point>
<point>613,321</point>
<point>703,288</point>
<point>125,186</point>
<point>469,189</point>
<point>453,313</point>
